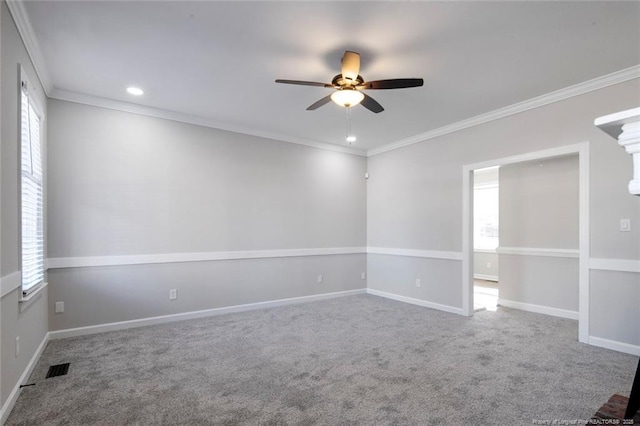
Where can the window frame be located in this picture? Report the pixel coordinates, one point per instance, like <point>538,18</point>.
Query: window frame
<point>28,92</point>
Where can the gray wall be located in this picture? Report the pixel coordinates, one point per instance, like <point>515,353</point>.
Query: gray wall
<point>539,204</point>
<point>126,184</point>
<point>613,293</point>
<point>539,209</point>
<point>550,282</point>
<point>101,295</point>
<point>121,183</point>
<point>414,197</point>
<point>486,265</point>
<point>398,274</point>
<point>30,324</point>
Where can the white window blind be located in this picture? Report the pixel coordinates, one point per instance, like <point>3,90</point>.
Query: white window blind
<point>32,190</point>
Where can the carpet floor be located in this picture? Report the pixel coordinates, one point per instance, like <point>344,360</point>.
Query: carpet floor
<point>359,360</point>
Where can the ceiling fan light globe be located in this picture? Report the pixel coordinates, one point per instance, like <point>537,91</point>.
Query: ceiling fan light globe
<point>347,98</point>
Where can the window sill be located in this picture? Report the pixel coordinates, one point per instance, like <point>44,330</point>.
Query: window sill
<point>33,294</point>
<point>479,250</point>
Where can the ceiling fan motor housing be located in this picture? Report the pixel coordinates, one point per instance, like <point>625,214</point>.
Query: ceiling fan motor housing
<point>340,81</point>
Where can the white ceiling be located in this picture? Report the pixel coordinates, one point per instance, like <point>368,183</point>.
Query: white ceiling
<point>218,60</point>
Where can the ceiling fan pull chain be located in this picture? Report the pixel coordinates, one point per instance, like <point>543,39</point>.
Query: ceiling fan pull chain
<point>348,125</point>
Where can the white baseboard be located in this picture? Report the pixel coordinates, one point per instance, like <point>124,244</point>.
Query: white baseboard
<point>122,325</point>
<point>486,277</point>
<point>615,346</point>
<point>539,309</point>
<point>13,396</point>
<point>419,302</point>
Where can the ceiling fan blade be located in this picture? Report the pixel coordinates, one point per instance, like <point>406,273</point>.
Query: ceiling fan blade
<point>394,83</point>
<point>304,83</point>
<point>350,66</point>
<point>321,102</point>
<point>371,104</point>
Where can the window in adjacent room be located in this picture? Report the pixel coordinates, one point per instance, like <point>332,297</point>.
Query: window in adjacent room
<point>32,192</point>
<point>486,218</point>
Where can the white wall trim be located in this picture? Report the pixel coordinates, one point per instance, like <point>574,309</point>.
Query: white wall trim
<point>419,302</point>
<point>88,261</point>
<point>539,101</point>
<point>15,393</point>
<point>558,151</point>
<point>615,346</point>
<point>122,325</point>
<point>9,283</point>
<point>92,261</point>
<point>539,309</point>
<point>538,251</point>
<point>620,265</point>
<point>96,101</point>
<point>584,241</point>
<point>475,250</point>
<point>431,254</point>
<point>582,149</point>
<point>21,19</point>
<point>486,277</point>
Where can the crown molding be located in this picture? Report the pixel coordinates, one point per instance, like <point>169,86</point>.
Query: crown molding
<point>25,29</point>
<point>96,101</point>
<point>21,19</point>
<point>28,35</point>
<point>539,101</point>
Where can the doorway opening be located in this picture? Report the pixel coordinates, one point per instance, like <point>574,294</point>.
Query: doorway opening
<point>486,238</point>
<point>581,253</point>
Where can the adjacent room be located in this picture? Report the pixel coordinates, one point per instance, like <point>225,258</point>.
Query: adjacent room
<point>310,212</point>
<point>486,238</point>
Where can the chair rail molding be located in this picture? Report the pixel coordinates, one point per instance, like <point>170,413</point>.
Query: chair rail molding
<point>625,127</point>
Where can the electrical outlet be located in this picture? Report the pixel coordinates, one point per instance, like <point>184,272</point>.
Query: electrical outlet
<point>363,276</point>
<point>418,282</point>
<point>625,225</point>
<point>59,307</point>
<point>173,294</point>
<point>320,279</point>
<point>17,346</point>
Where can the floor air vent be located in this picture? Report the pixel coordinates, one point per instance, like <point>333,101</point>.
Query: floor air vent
<point>58,370</point>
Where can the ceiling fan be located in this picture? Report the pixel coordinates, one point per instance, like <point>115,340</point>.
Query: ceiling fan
<point>349,85</point>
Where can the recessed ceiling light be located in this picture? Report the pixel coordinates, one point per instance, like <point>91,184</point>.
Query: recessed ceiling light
<point>135,91</point>
<point>351,138</point>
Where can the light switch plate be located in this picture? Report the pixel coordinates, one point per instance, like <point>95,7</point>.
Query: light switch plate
<point>625,225</point>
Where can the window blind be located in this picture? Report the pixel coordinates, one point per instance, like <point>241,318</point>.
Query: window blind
<point>32,185</point>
